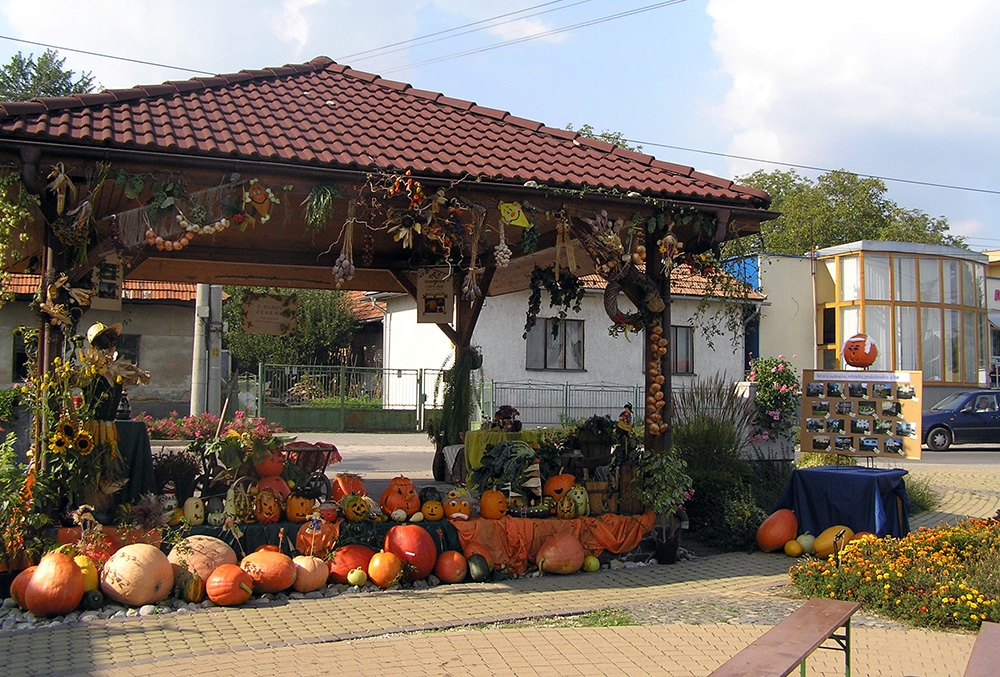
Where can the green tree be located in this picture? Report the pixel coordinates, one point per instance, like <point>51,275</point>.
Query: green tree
<point>614,138</point>
<point>838,207</point>
<point>324,328</point>
<point>24,78</point>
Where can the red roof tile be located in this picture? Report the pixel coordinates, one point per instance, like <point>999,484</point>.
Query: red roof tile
<point>132,290</point>
<point>362,307</point>
<point>321,114</point>
<point>683,282</point>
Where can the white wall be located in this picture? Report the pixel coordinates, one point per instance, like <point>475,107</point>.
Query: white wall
<point>788,318</point>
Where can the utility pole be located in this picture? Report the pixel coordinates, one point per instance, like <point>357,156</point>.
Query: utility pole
<point>206,357</point>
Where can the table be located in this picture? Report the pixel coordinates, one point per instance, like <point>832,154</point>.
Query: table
<point>865,499</point>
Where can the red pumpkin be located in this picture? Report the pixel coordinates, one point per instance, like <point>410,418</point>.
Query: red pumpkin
<point>457,509</point>
<point>347,558</point>
<point>276,484</point>
<point>310,573</point>
<point>18,585</point>
<point>137,574</point>
<point>860,351</point>
<point>414,547</point>
<point>201,555</point>
<point>557,486</point>
<point>400,495</point>
<point>493,505</point>
<point>329,512</point>
<point>316,538</point>
<point>272,464</point>
<point>267,507</point>
<point>776,530</point>
<point>229,585</point>
<point>55,587</point>
<point>299,508</point>
<point>479,549</point>
<point>270,571</point>
<point>451,567</point>
<point>346,484</point>
<point>385,569</point>
<point>561,554</point>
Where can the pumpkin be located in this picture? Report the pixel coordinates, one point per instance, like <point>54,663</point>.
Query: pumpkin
<point>357,577</point>
<point>451,567</point>
<point>355,508</point>
<point>473,548</point>
<point>189,586</point>
<point>330,512</point>
<point>174,516</point>
<point>414,547</point>
<point>824,544</point>
<point>299,508</point>
<point>385,569</point>
<point>793,548</point>
<point>55,587</point>
<point>433,511</point>
<point>270,571</point>
<point>566,508</point>
<point>267,507</point>
<point>478,569</point>
<point>92,600</point>
<point>400,495</point>
<point>492,505</point>
<point>346,484</point>
<point>579,494</point>
<point>194,511</point>
<point>91,579</point>
<point>860,351</point>
<point>137,574</point>
<point>310,573</point>
<point>429,493</point>
<point>457,509</point>
<point>558,486</point>
<point>276,484</point>
<point>316,537</point>
<point>561,554</point>
<point>18,585</point>
<point>591,564</point>
<point>201,555</point>
<point>347,558</point>
<point>777,530</point>
<point>267,547</point>
<point>216,512</point>
<point>229,585</point>
<point>271,465</point>
<point>806,541</point>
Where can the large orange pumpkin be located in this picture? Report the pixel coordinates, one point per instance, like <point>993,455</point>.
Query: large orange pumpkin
<point>229,585</point>
<point>201,554</point>
<point>451,567</point>
<point>310,573</point>
<point>400,495</point>
<point>137,574</point>
<point>55,587</point>
<point>271,465</point>
<point>561,554</point>
<point>776,530</point>
<point>493,505</point>
<point>347,558</point>
<point>276,484</point>
<point>270,571</point>
<point>19,584</point>
<point>316,538</point>
<point>558,486</point>
<point>384,569</point>
<point>346,484</point>
<point>415,549</point>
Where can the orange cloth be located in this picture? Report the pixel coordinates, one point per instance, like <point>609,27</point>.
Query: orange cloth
<point>518,539</point>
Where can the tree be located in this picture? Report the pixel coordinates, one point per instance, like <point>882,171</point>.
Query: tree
<point>614,138</point>
<point>839,207</point>
<point>25,78</point>
<point>325,327</point>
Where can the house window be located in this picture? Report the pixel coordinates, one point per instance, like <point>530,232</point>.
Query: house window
<point>682,352</point>
<point>19,365</point>
<point>128,348</point>
<point>562,352</point>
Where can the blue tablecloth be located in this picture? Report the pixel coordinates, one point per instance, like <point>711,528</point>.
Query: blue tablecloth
<point>864,499</point>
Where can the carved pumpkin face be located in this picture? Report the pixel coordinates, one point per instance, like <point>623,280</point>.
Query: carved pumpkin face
<point>216,510</point>
<point>267,507</point>
<point>346,484</point>
<point>457,509</point>
<point>299,508</point>
<point>401,495</point>
<point>566,508</point>
<point>433,511</point>
<point>860,351</point>
<point>558,485</point>
<point>194,511</point>
<point>355,508</point>
<point>329,512</point>
<point>493,505</point>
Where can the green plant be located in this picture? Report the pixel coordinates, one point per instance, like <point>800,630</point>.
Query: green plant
<point>8,400</point>
<point>180,466</point>
<point>922,496</point>
<point>664,485</point>
<point>777,399</point>
<point>814,459</point>
<point>459,396</point>
<point>21,522</point>
<point>320,206</point>
<point>503,466</point>
<point>600,428</point>
<point>565,293</point>
<point>706,442</point>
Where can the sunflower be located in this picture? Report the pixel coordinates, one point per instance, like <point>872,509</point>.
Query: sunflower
<point>84,442</point>
<point>58,443</point>
<point>67,427</point>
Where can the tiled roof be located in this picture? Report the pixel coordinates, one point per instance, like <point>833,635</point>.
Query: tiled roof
<point>328,115</point>
<point>362,307</point>
<point>683,282</point>
<point>132,290</point>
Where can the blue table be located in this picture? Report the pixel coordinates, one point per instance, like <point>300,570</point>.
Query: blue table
<point>864,499</point>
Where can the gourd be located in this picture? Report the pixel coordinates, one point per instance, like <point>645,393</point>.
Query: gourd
<point>492,505</point>
<point>229,585</point>
<point>92,600</point>
<point>55,587</point>
<point>91,578</point>
<point>189,586</point>
<point>310,573</point>
<point>558,486</point>
<point>385,569</point>
<point>270,571</point>
<point>415,549</point>
<point>579,494</point>
<point>824,544</point>
<point>451,567</point>
<point>137,574</point>
<point>18,585</point>
<point>806,541</point>
<point>479,571</point>
<point>348,558</point>
<point>561,554</point>
<point>591,564</point>
<point>201,555</point>
<point>357,577</point>
<point>793,548</point>
<point>473,548</point>
<point>777,530</point>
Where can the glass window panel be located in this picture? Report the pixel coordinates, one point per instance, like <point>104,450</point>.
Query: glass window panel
<point>930,343</point>
<point>850,324</point>
<point>970,296</point>
<point>980,272</point>
<point>952,345</point>
<point>930,281</point>
<point>535,346</point>
<point>970,365</point>
<point>683,352</point>
<point>574,344</point>
<point>951,277</point>
<point>555,357</point>
<point>879,329</point>
<point>907,339</point>
<point>877,277</point>
<point>850,279</point>
<point>905,273</point>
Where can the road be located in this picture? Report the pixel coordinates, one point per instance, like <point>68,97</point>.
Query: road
<point>966,454</point>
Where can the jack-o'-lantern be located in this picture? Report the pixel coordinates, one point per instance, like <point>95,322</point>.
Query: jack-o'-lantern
<point>298,508</point>
<point>355,508</point>
<point>566,508</point>
<point>558,485</point>
<point>860,351</point>
<point>493,504</point>
<point>579,495</point>
<point>267,507</point>
<point>433,511</point>
<point>400,495</point>
<point>346,484</point>
<point>457,509</point>
<point>216,510</point>
<point>194,511</point>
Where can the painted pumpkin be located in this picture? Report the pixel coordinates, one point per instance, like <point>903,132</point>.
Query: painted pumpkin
<point>433,511</point>
<point>194,511</point>
<point>330,512</point>
<point>579,495</point>
<point>414,547</point>
<point>451,567</point>
<point>860,351</point>
<point>457,509</point>
<point>316,537</point>
<point>136,575</point>
<point>355,508</point>
<point>276,484</point>
<point>346,484</point>
<point>229,585</point>
<point>777,530</point>
<point>566,508</point>
<point>400,495</point>
<point>493,505</point>
<point>272,464</point>
<point>558,486</point>
<point>270,571</point>
<point>215,510</point>
<point>267,507</point>
<point>55,587</point>
<point>346,559</point>
<point>201,554</point>
<point>299,508</point>
<point>385,569</point>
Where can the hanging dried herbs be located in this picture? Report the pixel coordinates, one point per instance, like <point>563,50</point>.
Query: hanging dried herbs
<point>565,293</point>
<point>319,206</point>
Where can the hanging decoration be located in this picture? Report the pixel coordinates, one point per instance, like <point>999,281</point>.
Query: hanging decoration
<point>260,200</point>
<point>502,252</point>
<point>343,267</point>
<point>513,214</point>
<point>61,185</point>
<point>563,242</point>
<point>435,295</point>
<point>470,285</point>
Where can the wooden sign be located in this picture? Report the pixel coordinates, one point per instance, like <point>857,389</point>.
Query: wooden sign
<point>269,314</point>
<point>435,296</point>
<point>107,278</point>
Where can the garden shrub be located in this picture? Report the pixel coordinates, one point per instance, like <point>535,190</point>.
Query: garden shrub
<point>922,496</point>
<point>815,459</point>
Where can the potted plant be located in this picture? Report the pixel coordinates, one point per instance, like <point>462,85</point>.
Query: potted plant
<point>657,481</point>
<point>596,435</point>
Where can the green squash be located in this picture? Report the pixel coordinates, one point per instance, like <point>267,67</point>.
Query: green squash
<point>479,568</point>
<point>92,600</point>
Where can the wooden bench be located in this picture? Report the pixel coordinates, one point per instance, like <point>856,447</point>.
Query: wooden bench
<point>984,660</point>
<point>791,641</point>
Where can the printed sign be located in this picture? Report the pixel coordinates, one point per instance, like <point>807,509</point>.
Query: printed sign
<point>269,314</point>
<point>435,296</point>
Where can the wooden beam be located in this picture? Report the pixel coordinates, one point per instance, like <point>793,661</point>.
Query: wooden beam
<point>467,320</point>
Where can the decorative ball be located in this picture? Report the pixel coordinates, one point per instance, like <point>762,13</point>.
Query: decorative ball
<point>860,351</point>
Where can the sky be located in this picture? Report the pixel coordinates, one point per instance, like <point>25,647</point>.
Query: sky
<point>907,90</point>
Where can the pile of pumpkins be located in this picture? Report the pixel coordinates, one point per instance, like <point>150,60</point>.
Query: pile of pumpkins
<point>780,533</point>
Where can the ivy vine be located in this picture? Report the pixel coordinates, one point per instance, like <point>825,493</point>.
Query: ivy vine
<point>565,293</point>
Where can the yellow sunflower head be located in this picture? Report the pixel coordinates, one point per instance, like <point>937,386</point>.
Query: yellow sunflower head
<point>67,427</point>
<point>84,442</point>
<point>58,443</point>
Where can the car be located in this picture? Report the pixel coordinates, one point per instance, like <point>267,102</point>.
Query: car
<point>971,417</point>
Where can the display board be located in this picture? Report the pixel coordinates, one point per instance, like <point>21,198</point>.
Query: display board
<point>862,413</point>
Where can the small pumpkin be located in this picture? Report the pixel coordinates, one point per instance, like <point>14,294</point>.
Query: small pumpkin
<point>793,548</point>
<point>566,508</point>
<point>806,541</point>
<point>189,586</point>
<point>91,579</point>
<point>451,567</point>
<point>316,537</point>
<point>92,600</point>
<point>310,573</point>
<point>457,508</point>
<point>433,511</point>
<point>860,351</point>
<point>346,484</point>
<point>355,508</point>
<point>55,587</point>
<point>493,505</point>
<point>479,571</point>
<point>558,486</point>
<point>298,508</point>
<point>357,577</point>
<point>267,507</point>
<point>229,585</point>
<point>777,530</point>
<point>270,571</point>
<point>18,585</point>
<point>330,512</point>
<point>194,511</point>
<point>174,517</point>
<point>385,569</point>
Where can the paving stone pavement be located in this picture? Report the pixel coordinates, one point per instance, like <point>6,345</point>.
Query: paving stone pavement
<point>693,616</point>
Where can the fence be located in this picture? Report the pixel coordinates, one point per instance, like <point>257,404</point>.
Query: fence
<point>546,404</point>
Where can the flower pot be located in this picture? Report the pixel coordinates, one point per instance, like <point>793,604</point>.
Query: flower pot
<point>666,550</point>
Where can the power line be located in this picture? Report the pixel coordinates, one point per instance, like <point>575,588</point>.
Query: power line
<point>105,56</point>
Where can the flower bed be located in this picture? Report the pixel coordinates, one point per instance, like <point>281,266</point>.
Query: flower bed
<point>942,577</point>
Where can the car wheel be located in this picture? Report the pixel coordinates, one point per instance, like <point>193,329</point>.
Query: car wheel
<point>939,439</point>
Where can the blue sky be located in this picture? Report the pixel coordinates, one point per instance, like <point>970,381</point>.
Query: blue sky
<point>905,89</point>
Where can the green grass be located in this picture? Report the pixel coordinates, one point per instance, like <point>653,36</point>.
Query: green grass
<point>922,497</point>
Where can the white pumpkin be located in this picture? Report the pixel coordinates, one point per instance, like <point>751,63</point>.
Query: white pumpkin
<point>194,511</point>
